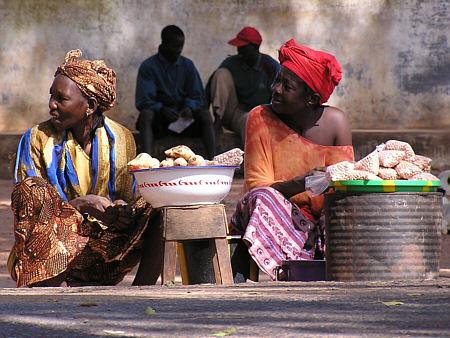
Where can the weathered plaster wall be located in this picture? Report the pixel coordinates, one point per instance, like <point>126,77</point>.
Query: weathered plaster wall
<point>395,54</point>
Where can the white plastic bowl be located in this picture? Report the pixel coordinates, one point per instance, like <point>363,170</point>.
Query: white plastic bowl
<point>174,186</point>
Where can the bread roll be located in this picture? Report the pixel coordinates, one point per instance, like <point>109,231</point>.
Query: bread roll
<point>168,162</point>
<point>179,151</point>
<point>154,163</point>
<point>184,152</point>
<point>180,162</point>
<point>141,161</point>
<point>169,152</point>
<point>196,160</point>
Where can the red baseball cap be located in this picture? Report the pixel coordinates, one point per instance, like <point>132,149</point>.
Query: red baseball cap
<point>245,36</point>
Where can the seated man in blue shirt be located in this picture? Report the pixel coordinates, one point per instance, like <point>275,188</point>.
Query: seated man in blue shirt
<point>169,88</point>
<point>241,82</point>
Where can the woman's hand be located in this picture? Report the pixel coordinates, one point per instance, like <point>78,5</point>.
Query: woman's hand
<point>122,214</point>
<point>291,187</point>
<point>95,206</point>
<point>117,214</point>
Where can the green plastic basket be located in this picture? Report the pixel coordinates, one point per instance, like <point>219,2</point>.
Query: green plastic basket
<point>386,186</point>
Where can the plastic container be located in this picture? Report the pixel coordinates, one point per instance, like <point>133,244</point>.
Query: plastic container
<point>176,186</point>
<point>304,271</point>
<point>386,186</point>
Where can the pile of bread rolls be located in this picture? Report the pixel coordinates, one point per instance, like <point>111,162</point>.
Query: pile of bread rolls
<point>182,155</point>
<point>393,160</point>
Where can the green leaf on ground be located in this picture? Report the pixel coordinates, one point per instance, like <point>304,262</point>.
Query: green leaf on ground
<point>88,304</point>
<point>226,332</point>
<point>149,311</point>
<point>393,303</point>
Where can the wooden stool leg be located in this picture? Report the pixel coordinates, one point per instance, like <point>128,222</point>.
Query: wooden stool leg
<point>182,264</point>
<point>216,266</point>
<point>221,262</point>
<point>170,262</point>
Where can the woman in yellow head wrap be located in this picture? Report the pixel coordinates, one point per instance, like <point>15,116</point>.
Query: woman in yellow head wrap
<point>75,218</point>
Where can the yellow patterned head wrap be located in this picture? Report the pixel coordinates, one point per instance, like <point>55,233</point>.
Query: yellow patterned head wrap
<point>93,78</point>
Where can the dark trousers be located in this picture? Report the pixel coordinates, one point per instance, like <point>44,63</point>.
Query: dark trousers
<point>152,125</point>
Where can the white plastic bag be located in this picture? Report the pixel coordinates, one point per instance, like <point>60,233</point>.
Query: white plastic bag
<point>317,183</point>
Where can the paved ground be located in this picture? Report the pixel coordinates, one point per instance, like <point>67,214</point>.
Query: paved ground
<point>376,309</point>
<point>252,310</point>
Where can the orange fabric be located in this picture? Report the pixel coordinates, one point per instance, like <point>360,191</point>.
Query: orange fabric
<point>276,153</point>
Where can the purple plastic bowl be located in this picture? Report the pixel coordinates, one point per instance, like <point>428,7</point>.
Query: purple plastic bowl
<point>305,271</point>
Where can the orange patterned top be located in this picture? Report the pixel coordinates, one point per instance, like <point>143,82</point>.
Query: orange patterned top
<point>276,153</point>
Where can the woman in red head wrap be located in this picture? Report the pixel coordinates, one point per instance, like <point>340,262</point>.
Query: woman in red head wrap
<point>319,70</point>
<point>285,140</point>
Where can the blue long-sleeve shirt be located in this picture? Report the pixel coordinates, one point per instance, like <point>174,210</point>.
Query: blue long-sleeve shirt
<point>180,81</point>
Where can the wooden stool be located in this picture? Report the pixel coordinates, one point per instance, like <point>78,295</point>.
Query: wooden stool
<point>187,223</point>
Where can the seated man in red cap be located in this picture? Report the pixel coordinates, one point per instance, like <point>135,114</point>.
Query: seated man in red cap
<point>242,82</point>
<point>285,140</point>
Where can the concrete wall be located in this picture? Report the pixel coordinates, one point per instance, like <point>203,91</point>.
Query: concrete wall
<point>395,54</point>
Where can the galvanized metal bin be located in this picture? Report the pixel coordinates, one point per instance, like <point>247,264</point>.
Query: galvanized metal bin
<point>382,236</point>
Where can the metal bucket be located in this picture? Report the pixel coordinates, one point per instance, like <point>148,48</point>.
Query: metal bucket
<point>382,236</point>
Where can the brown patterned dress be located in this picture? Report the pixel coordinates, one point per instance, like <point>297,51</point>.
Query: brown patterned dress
<point>52,239</point>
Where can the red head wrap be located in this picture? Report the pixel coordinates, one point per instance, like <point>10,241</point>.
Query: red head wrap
<point>319,70</point>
